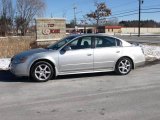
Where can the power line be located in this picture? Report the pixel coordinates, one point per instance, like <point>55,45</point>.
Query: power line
<point>156,5</point>
<point>133,11</point>
<point>125,12</point>
<point>150,8</point>
<point>134,14</point>
<point>145,7</point>
<point>125,15</point>
<point>152,12</point>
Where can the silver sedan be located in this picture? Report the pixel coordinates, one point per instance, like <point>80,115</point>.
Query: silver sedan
<point>77,54</point>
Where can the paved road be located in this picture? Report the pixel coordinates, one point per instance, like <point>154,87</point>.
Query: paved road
<point>103,96</point>
<point>142,39</point>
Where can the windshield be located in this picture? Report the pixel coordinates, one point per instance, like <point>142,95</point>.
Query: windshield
<point>60,43</point>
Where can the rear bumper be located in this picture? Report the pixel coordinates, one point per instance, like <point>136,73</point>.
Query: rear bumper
<point>140,64</point>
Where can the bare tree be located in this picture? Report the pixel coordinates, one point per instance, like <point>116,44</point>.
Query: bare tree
<point>100,14</point>
<point>6,16</point>
<point>26,11</point>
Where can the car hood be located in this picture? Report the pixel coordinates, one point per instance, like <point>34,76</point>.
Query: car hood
<point>31,52</point>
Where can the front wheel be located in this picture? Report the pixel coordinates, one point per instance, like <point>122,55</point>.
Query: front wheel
<point>42,71</point>
<point>123,66</point>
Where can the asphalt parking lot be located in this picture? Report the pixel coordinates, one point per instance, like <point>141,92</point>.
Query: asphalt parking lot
<point>153,39</point>
<point>102,96</point>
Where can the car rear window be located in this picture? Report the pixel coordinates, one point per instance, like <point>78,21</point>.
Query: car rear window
<point>103,41</point>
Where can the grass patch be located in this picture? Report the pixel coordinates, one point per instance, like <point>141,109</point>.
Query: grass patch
<point>12,45</point>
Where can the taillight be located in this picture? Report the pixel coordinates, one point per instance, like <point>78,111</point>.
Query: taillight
<point>142,50</point>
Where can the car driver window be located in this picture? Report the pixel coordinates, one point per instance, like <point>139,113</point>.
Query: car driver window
<point>86,42</point>
<point>81,43</point>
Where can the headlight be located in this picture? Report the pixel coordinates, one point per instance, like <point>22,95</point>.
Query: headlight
<point>23,59</point>
<point>20,60</point>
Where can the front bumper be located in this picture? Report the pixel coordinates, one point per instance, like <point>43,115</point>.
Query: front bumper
<point>18,69</point>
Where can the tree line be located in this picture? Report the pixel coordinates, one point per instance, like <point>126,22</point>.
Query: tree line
<point>144,23</point>
<point>18,17</point>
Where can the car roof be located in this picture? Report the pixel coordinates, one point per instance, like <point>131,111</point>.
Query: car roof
<point>91,34</point>
<point>102,34</point>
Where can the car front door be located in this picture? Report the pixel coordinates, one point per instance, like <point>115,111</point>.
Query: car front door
<point>79,58</point>
<point>106,53</point>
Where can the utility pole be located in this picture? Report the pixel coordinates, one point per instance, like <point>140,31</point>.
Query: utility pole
<point>75,19</point>
<point>139,21</point>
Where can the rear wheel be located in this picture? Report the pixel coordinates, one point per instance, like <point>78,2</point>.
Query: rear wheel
<point>42,71</point>
<point>123,66</point>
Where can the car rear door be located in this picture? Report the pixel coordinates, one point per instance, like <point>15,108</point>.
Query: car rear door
<point>107,51</point>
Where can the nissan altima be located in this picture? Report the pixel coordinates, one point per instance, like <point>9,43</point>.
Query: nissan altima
<point>77,54</point>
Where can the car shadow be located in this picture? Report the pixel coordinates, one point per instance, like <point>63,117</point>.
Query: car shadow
<point>86,75</point>
<point>7,76</point>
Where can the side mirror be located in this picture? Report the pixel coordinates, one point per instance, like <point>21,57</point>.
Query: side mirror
<point>67,48</point>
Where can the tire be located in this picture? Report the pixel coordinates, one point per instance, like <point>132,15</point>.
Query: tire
<point>123,66</point>
<point>42,71</point>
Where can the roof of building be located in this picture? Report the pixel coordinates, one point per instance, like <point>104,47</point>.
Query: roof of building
<point>113,27</point>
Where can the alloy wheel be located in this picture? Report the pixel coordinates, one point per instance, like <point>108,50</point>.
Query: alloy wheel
<point>124,66</point>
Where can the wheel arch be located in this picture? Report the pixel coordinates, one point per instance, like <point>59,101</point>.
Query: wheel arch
<point>133,66</point>
<point>43,60</point>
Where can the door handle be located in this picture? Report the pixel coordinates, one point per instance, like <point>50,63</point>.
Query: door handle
<point>117,51</point>
<point>89,54</point>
